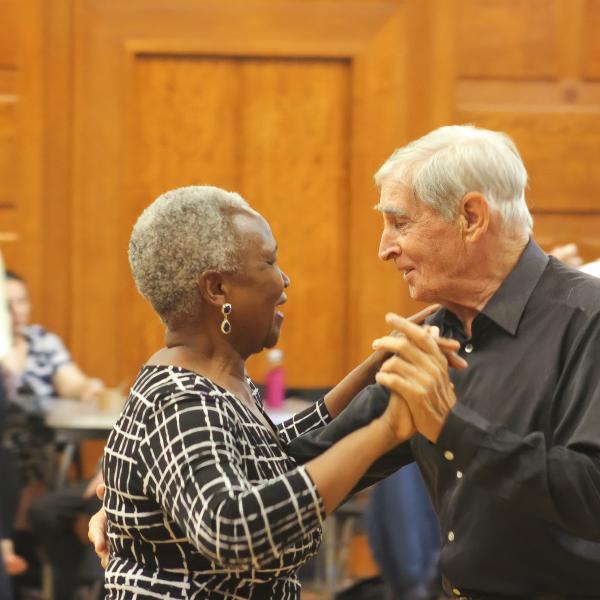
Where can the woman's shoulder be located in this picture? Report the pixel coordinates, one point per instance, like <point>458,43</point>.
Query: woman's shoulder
<point>163,385</point>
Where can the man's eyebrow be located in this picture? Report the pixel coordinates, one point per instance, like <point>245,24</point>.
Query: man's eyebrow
<point>390,210</point>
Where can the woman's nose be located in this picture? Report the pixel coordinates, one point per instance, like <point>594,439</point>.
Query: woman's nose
<point>286,279</point>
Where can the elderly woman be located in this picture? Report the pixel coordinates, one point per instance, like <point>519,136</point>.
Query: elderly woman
<point>203,499</point>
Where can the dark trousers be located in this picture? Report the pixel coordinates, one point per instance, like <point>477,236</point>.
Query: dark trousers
<point>52,517</point>
<point>5,588</point>
<point>404,535</point>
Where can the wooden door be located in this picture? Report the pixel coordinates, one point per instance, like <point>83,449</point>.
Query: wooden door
<point>294,104</point>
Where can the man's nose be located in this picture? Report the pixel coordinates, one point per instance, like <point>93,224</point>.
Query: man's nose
<point>387,246</point>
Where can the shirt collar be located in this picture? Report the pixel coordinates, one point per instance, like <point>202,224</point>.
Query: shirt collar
<point>506,306</point>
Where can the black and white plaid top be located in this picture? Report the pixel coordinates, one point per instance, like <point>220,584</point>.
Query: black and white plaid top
<point>202,499</point>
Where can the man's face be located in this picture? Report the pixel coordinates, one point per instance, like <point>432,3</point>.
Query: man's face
<point>426,249</point>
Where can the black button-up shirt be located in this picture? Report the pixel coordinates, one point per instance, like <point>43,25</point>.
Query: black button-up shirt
<point>515,473</point>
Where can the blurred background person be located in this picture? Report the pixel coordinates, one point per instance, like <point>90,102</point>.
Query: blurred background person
<point>59,520</point>
<point>37,359</point>
<point>10,563</point>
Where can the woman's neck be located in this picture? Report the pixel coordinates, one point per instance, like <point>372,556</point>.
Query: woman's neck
<point>202,354</point>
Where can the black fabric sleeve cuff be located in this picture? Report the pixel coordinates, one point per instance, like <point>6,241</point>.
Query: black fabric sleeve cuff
<point>461,436</point>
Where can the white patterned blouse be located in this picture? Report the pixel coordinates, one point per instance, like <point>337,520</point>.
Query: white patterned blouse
<point>202,499</point>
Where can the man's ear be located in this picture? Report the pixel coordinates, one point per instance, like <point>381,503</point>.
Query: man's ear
<point>213,288</point>
<point>474,216</point>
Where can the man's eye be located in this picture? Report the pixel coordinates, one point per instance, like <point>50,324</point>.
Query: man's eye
<point>400,224</point>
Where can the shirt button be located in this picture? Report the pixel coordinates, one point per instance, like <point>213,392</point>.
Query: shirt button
<point>451,536</point>
<point>469,348</point>
<point>449,455</point>
<point>459,474</point>
<point>456,591</point>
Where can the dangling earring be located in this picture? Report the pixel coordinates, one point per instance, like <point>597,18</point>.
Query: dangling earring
<point>225,324</point>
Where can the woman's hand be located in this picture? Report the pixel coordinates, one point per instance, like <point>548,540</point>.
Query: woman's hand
<point>97,530</point>
<point>417,373</point>
<point>399,419</point>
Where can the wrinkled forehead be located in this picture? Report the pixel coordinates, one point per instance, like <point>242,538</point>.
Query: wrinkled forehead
<point>396,199</point>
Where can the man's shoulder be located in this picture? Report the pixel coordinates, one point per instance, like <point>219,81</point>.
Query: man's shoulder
<point>573,289</point>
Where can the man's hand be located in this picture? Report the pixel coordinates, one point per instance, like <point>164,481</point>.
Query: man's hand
<point>97,530</point>
<point>418,374</point>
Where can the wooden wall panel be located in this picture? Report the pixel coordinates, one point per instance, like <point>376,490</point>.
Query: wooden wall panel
<point>515,39</point>
<point>265,103</point>
<point>590,56</point>
<point>221,122</point>
<point>183,116</point>
<point>9,34</point>
<point>551,230</point>
<point>293,103</point>
<point>294,158</point>
<point>560,150</point>
<point>9,148</point>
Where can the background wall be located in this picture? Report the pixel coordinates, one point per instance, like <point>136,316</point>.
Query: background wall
<point>104,104</point>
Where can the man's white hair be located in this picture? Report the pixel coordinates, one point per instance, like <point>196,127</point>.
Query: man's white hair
<point>449,162</point>
<point>183,233</point>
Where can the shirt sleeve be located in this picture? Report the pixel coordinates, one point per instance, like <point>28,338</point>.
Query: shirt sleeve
<point>368,404</point>
<point>554,476</point>
<point>55,350</point>
<point>193,467</point>
<point>307,420</point>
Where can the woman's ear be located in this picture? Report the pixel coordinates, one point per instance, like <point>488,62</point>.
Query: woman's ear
<point>212,288</point>
<point>475,216</point>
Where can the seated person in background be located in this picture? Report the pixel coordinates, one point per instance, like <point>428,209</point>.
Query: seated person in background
<point>57,518</point>
<point>38,359</point>
<point>10,563</point>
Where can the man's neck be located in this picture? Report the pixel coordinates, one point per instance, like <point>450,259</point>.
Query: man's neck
<point>486,274</point>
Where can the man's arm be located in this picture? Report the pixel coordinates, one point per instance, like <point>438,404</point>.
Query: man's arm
<point>369,404</point>
<point>552,476</point>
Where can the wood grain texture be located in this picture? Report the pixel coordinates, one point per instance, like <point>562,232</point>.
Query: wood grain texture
<point>184,132</point>
<point>516,39</point>
<point>275,131</point>
<point>167,107</point>
<point>560,151</point>
<point>551,230</point>
<point>9,33</point>
<point>9,148</point>
<point>295,103</point>
<point>590,56</point>
<point>294,160</point>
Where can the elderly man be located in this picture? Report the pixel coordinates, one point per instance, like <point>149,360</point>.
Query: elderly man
<point>512,461</point>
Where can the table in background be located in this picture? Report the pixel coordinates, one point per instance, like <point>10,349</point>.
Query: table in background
<point>74,421</point>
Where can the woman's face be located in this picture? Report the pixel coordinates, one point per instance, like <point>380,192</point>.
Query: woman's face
<point>256,291</point>
<point>19,304</point>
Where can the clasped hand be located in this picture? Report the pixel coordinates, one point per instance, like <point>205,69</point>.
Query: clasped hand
<point>422,394</point>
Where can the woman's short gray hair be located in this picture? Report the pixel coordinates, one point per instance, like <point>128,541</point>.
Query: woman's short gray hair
<point>183,233</point>
<point>449,162</point>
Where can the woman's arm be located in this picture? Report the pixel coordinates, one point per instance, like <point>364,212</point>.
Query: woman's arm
<point>364,374</point>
